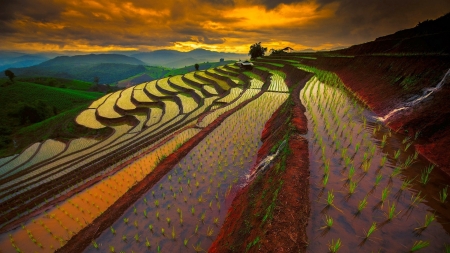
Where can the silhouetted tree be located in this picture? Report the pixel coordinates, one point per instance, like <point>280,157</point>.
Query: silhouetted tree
<point>10,75</point>
<point>256,50</point>
<point>197,66</point>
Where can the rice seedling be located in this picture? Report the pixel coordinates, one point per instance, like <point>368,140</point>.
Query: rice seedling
<point>162,231</point>
<point>371,230</point>
<point>111,248</point>
<point>351,173</point>
<point>150,227</point>
<point>136,237</point>
<point>378,179</point>
<point>416,199</point>
<point>352,187</point>
<point>113,231</point>
<point>395,172</point>
<point>362,204</point>
<point>325,180</point>
<point>209,232</point>
<point>443,194</point>
<point>365,166</point>
<point>124,238</point>
<point>406,184</point>
<point>185,242</point>
<point>391,213</point>
<point>147,243</point>
<point>428,219</point>
<point>328,222</point>
<point>385,194</point>
<point>173,233</point>
<point>330,198</point>
<point>94,243</point>
<point>407,146</point>
<point>125,220</point>
<point>397,154</point>
<point>334,246</point>
<point>383,161</point>
<point>425,176</point>
<point>419,245</point>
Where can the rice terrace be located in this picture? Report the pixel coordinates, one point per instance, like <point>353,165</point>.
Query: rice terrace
<point>163,141</point>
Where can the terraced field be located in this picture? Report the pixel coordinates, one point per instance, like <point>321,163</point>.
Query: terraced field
<point>51,186</point>
<point>184,148</point>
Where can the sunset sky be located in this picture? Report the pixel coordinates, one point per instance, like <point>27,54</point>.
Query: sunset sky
<point>228,25</point>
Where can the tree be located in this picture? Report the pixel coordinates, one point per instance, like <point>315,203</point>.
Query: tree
<point>256,50</point>
<point>10,75</point>
<point>197,66</point>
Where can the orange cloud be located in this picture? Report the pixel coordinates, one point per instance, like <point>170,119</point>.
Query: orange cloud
<point>229,25</point>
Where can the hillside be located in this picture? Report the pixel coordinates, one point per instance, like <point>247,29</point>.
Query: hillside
<point>91,59</point>
<point>108,73</point>
<point>25,104</point>
<point>428,37</point>
<point>18,60</point>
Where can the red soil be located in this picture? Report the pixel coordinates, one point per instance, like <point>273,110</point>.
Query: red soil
<point>378,81</point>
<point>271,213</point>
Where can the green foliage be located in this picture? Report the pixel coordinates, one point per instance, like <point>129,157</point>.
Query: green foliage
<point>256,50</point>
<point>58,82</point>
<point>419,245</point>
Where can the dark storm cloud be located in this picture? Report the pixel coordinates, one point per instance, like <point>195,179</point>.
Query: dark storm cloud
<point>38,10</point>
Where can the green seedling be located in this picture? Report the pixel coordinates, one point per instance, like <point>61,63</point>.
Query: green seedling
<point>185,242</point>
<point>443,194</point>
<point>330,198</point>
<point>111,248</point>
<point>391,213</point>
<point>419,245</point>
<point>328,222</point>
<point>113,231</point>
<point>362,204</point>
<point>352,187</point>
<point>425,176</point>
<point>94,243</point>
<point>333,247</point>
<point>406,184</point>
<point>147,243</point>
<point>416,199</point>
<point>378,179</point>
<point>428,219</point>
<point>385,194</point>
<point>136,237</point>
<point>325,180</point>
<point>371,230</point>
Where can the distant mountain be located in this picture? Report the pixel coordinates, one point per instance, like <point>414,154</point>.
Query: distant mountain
<point>108,73</point>
<point>429,37</point>
<point>92,59</point>
<point>185,62</point>
<point>175,59</point>
<point>19,60</point>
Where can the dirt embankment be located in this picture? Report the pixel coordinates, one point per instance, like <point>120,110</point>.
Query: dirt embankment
<point>270,214</point>
<point>387,82</point>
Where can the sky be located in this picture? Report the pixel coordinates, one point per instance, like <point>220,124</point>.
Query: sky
<point>218,25</point>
